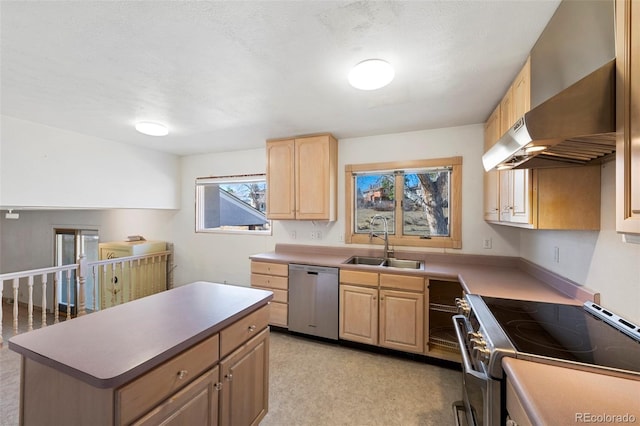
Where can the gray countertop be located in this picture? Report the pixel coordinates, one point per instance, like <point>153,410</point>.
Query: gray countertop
<point>108,348</point>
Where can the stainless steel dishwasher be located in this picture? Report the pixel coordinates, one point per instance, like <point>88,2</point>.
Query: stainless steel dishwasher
<point>313,300</point>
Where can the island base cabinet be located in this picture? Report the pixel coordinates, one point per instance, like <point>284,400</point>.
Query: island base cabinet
<point>244,377</point>
<point>49,396</point>
<point>197,404</point>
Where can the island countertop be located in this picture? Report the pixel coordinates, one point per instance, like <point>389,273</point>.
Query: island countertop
<point>108,348</point>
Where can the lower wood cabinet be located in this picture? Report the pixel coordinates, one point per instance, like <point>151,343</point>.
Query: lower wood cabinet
<point>245,383</point>
<point>196,404</point>
<point>273,277</point>
<point>359,314</point>
<point>402,320</point>
<point>382,309</point>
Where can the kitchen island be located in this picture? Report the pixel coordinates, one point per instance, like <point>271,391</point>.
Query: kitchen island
<point>182,355</point>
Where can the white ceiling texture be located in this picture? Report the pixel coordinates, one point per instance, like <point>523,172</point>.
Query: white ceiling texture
<point>227,75</point>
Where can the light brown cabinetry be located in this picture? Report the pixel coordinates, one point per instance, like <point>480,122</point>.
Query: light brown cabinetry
<point>302,178</point>
<point>559,198</point>
<point>382,309</point>
<point>273,277</point>
<point>515,408</point>
<point>491,178</point>
<point>221,379</point>
<point>628,116</point>
<point>245,383</point>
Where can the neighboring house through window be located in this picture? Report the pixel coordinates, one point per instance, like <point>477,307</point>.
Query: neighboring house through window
<point>420,200</point>
<point>232,204</point>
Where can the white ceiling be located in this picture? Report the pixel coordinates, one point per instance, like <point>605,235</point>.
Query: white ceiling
<point>227,75</point>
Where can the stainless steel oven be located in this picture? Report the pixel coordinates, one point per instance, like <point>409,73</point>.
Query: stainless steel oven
<point>586,337</point>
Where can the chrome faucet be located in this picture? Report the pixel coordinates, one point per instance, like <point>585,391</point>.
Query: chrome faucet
<point>387,251</point>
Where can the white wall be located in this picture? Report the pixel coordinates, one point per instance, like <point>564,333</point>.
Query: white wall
<point>44,167</point>
<point>598,260</point>
<point>223,257</point>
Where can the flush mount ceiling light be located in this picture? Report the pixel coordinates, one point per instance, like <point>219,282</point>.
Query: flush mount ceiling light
<point>152,129</point>
<point>371,74</point>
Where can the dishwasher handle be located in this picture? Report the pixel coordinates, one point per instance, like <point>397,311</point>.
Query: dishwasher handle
<point>312,269</point>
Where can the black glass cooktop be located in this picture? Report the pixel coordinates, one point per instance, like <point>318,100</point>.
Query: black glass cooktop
<point>565,332</point>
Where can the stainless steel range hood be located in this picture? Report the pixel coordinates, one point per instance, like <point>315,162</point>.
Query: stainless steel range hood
<point>572,120</point>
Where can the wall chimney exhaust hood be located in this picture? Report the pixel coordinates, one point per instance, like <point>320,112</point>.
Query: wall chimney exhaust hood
<point>572,120</point>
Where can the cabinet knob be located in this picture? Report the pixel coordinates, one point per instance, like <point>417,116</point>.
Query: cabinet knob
<point>229,377</point>
<point>252,328</point>
<point>182,374</point>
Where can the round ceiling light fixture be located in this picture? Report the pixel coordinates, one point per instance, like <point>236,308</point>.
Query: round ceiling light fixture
<point>152,129</point>
<point>371,74</point>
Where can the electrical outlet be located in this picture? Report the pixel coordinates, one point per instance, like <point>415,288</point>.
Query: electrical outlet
<point>318,235</point>
<point>556,254</point>
<point>293,235</point>
<point>313,235</point>
<point>486,243</point>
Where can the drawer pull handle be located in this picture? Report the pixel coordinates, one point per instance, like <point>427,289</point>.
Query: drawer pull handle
<point>252,328</point>
<point>182,374</point>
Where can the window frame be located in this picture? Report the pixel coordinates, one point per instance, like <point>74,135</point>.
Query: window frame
<point>453,240</point>
<point>201,182</point>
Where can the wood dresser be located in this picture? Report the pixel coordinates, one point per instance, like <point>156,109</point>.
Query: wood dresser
<point>197,354</point>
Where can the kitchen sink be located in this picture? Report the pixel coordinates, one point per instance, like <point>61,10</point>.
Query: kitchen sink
<point>402,263</point>
<point>364,260</point>
<point>387,263</point>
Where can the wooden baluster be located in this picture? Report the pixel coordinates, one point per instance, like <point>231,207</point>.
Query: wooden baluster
<point>30,305</point>
<point>57,278</point>
<point>68,295</point>
<point>43,277</point>
<point>103,287</point>
<point>95,287</point>
<point>16,284</point>
<point>132,281</point>
<point>82,267</point>
<point>121,282</point>
<point>139,289</point>
<point>1,290</point>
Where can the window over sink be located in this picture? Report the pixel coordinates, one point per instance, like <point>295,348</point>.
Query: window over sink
<point>420,200</point>
<point>232,204</point>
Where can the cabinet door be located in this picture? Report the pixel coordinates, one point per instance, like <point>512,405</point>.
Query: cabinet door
<point>491,181</point>
<point>244,397</point>
<point>628,114</point>
<point>196,404</point>
<point>520,196</point>
<point>315,178</point>
<point>281,179</point>
<point>515,196</point>
<point>359,314</point>
<point>402,320</point>
<point>521,91</point>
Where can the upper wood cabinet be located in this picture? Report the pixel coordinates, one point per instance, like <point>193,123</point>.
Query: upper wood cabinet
<point>302,178</point>
<point>628,116</point>
<point>491,180</point>
<point>563,198</point>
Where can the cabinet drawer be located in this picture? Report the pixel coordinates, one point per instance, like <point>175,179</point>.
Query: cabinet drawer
<point>358,277</point>
<point>196,404</point>
<point>402,282</point>
<point>269,281</point>
<point>279,314</point>
<point>267,268</point>
<point>243,329</point>
<point>281,296</point>
<point>144,393</point>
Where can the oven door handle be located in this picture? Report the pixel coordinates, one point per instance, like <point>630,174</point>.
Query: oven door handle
<point>460,322</point>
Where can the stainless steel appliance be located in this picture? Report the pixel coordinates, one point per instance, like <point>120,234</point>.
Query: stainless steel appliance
<point>572,116</point>
<point>586,337</point>
<point>313,300</point>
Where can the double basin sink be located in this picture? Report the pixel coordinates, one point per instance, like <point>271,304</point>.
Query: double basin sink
<point>387,263</point>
